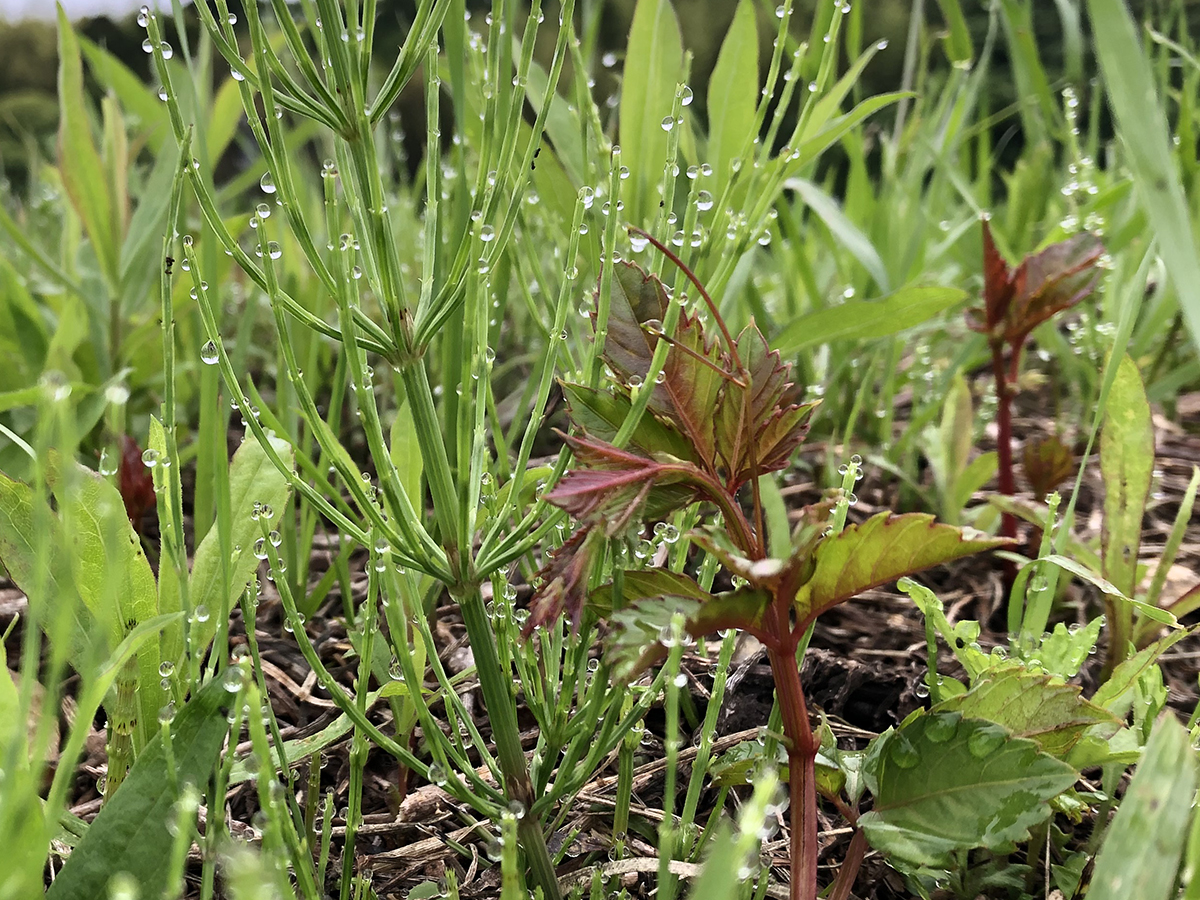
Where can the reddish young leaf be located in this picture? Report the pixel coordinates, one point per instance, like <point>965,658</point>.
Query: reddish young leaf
<point>135,483</point>
<point>758,428</point>
<point>1047,463</point>
<point>614,485</point>
<point>882,549</point>
<point>1018,300</point>
<point>564,581</point>
<point>686,396</point>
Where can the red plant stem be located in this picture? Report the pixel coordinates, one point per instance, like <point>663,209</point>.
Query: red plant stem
<point>1004,450</point>
<point>802,755</point>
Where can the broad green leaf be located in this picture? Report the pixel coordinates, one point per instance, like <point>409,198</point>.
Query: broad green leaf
<point>19,554</point>
<point>859,320</point>
<point>82,171</point>
<point>882,549</point>
<point>1141,121</point>
<point>943,783</point>
<point>1030,705</point>
<point>1142,850</point>
<point>823,111</point>
<point>223,119</point>
<point>640,584</point>
<point>24,338</point>
<point>131,833</point>
<point>1127,464</point>
<point>855,242</point>
<point>653,66</point>
<point>112,574</point>
<point>21,824</point>
<point>405,451</point>
<point>733,94</point>
<point>600,413</point>
<point>253,479</point>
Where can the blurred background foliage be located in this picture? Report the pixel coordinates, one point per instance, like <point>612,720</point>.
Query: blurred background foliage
<point>28,62</point>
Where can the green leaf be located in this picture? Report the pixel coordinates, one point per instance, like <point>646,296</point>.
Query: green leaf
<point>958,41</point>
<point>405,451</point>
<point>600,413</point>
<point>856,243</point>
<point>640,584</point>
<point>112,574</point>
<point>1145,135</point>
<point>1030,705</point>
<point>1063,652</point>
<point>733,94</point>
<point>1141,853</point>
<point>944,783</point>
<point>1081,571</point>
<point>131,833</point>
<point>253,479</point>
<point>140,252</point>
<point>858,320</point>
<point>882,549</point>
<point>82,171</point>
<point>1116,694</point>
<point>653,66</point>
<point>1127,464</point>
<point>19,553</point>
<point>136,97</point>
<point>169,599</point>
<point>687,394</point>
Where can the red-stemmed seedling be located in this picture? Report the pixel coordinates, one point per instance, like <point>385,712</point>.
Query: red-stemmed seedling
<point>723,413</point>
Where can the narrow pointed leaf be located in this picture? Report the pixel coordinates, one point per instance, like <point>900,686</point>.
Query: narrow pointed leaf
<point>1127,464</point>
<point>882,549</point>
<point>131,834</point>
<point>82,170</point>
<point>253,479</point>
<point>732,94</point>
<point>1142,850</point>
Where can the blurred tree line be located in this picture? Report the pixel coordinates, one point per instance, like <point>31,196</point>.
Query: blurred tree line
<point>28,63</point>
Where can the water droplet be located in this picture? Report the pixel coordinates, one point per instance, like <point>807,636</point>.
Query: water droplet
<point>902,751</point>
<point>941,727</point>
<point>143,16</point>
<point>487,234</point>
<point>267,183</point>
<point>233,680</point>
<point>150,458</point>
<point>668,123</point>
<point>685,96</point>
<point>167,52</point>
<point>437,775</point>
<point>166,668</point>
<point>231,19</point>
<point>704,201</point>
<point>209,354</point>
<point>236,75</point>
<point>201,614</point>
<point>148,45</point>
<point>166,715</point>
<point>273,250</point>
<point>986,740</point>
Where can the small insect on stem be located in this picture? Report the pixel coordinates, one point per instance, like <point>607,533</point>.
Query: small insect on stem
<point>170,261</point>
<point>536,153</point>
